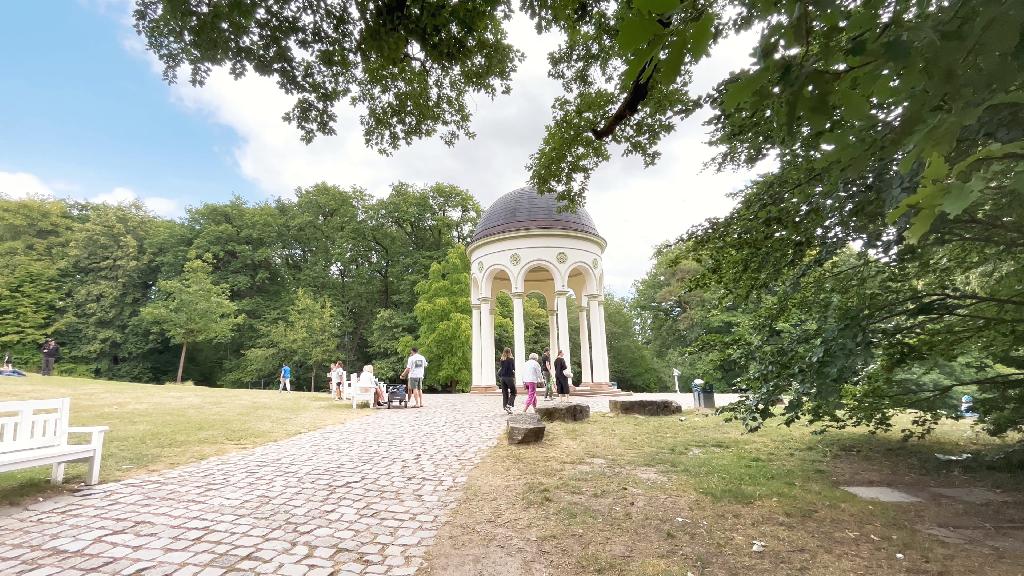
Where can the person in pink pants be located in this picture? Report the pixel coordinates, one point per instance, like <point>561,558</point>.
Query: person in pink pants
<point>531,376</point>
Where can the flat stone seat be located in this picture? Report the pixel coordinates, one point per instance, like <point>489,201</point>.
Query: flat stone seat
<point>525,429</point>
<point>645,407</point>
<point>569,412</point>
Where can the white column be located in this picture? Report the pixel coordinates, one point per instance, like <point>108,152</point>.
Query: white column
<point>600,350</point>
<point>553,332</point>
<point>519,335</point>
<point>487,359</point>
<point>584,344</point>
<point>563,330</point>
<point>476,346</point>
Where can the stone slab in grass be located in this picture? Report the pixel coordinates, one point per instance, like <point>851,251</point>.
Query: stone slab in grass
<point>570,412</point>
<point>645,407</point>
<point>881,493</point>
<point>525,429</point>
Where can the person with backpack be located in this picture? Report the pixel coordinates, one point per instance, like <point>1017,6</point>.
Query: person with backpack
<point>507,375</point>
<point>562,376</point>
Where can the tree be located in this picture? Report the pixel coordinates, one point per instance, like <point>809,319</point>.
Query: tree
<point>192,309</point>
<point>444,316</point>
<point>32,238</point>
<point>631,364</point>
<point>411,67</point>
<point>388,342</point>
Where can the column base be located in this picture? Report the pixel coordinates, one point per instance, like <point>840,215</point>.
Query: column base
<point>485,389</point>
<point>599,386</point>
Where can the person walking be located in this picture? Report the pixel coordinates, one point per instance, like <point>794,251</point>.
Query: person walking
<point>545,366</point>
<point>507,374</point>
<point>531,376</point>
<point>50,351</point>
<point>415,369</point>
<point>562,376</point>
<point>286,378</point>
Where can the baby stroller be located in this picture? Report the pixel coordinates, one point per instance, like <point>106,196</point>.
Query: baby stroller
<point>397,393</point>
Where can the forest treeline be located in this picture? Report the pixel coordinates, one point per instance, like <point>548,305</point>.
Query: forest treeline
<point>331,274</point>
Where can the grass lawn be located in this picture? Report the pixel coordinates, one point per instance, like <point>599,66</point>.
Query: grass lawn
<point>157,427</point>
<point>660,496</point>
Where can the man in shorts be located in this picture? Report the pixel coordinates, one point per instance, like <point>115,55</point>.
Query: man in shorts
<point>415,368</point>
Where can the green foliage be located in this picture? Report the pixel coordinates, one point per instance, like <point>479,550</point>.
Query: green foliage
<point>31,242</point>
<point>411,68</point>
<point>445,326</point>
<point>191,309</point>
<point>388,351</point>
<point>632,364</point>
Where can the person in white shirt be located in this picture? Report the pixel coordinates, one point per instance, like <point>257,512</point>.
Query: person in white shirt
<point>532,374</point>
<point>337,379</point>
<point>415,368</point>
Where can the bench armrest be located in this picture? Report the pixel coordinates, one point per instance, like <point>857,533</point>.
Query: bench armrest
<point>96,432</point>
<point>87,429</point>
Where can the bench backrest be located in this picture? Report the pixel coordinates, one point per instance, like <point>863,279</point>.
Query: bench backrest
<point>28,424</point>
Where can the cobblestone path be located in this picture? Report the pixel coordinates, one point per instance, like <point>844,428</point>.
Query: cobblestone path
<point>365,497</point>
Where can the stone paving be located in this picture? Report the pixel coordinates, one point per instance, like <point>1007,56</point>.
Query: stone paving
<point>366,497</point>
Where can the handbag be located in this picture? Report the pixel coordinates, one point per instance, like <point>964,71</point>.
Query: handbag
<point>567,373</point>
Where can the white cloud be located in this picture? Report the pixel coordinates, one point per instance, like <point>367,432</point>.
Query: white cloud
<point>158,205</point>
<point>635,209</point>
<point>22,185</point>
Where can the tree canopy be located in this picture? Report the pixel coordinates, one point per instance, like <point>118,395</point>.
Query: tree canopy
<point>191,309</point>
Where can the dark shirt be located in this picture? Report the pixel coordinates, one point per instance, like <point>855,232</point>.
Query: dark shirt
<point>545,364</point>
<point>560,370</point>
<point>51,350</point>
<point>508,368</point>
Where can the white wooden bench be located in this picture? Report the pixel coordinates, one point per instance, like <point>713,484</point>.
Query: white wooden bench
<point>357,392</point>
<point>35,433</point>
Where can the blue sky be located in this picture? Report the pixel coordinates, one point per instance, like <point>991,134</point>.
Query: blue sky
<point>86,114</point>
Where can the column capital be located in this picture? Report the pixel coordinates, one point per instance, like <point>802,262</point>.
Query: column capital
<point>475,305</point>
<point>486,300</point>
<point>597,297</point>
<point>518,295</point>
<point>552,312</point>
<point>562,293</point>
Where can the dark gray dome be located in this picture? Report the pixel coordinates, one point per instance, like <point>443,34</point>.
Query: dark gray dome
<point>524,209</point>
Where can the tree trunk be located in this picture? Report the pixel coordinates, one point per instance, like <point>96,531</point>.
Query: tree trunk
<point>312,381</point>
<point>181,362</point>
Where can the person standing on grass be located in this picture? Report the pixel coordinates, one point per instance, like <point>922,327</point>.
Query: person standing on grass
<point>50,351</point>
<point>507,374</point>
<point>286,378</point>
<point>562,376</point>
<point>8,361</point>
<point>531,376</point>
<point>339,378</point>
<point>545,366</point>
<point>415,369</point>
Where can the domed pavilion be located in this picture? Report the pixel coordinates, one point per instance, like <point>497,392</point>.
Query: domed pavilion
<point>523,244</point>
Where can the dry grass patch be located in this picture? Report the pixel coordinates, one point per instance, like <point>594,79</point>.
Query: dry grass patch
<point>158,427</point>
<point>660,496</point>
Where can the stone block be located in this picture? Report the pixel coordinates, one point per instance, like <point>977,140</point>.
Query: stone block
<point>525,429</point>
<point>569,412</point>
<point>645,407</point>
